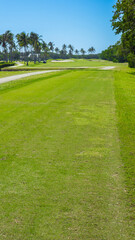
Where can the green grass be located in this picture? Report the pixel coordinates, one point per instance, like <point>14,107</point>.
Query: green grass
<point>7,74</point>
<point>62,170</point>
<point>125,98</point>
<point>25,81</point>
<point>5,64</point>
<point>76,63</point>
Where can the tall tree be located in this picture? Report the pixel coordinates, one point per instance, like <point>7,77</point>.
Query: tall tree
<point>36,43</point>
<point>5,40</point>
<point>51,46</point>
<point>38,48</point>
<point>0,39</point>
<point>11,44</point>
<point>63,52</point>
<point>45,49</point>
<point>57,50</point>
<point>64,47</point>
<point>3,43</point>
<point>123,21</point>
<point>82,51</point>
<point>71,49</point>
<point>115,53</point>
<point>23,41</point>
<point>91,50</point>
<point>76,51</point>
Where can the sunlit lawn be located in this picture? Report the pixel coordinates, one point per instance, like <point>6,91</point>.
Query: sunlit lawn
<point>67,156</point>
<point>75,63</point>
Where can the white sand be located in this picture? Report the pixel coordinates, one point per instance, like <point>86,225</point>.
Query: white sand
<point>108,68</point>
<point>61,61</point>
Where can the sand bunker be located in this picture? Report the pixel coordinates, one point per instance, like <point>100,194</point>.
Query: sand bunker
<point>55,61</point>
<point>108,68</point>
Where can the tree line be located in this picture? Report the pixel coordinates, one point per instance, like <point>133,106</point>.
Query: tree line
<point>123,22</point>
<point>32,47</point>
<point>115,53</point>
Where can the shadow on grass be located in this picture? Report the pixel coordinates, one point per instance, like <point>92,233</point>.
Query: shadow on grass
<point>131,73</point>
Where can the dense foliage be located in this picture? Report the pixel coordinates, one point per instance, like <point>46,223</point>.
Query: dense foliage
<point>115,53</point>
<point>123,22</point>
<point>3,64</point>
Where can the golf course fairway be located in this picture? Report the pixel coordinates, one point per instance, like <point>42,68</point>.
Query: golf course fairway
<point>67,156</point>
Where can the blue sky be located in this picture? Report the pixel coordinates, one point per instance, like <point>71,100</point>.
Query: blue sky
<point>83,23</point>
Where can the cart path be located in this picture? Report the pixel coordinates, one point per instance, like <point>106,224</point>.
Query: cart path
<point>16,77</point>
<point>18,64</point>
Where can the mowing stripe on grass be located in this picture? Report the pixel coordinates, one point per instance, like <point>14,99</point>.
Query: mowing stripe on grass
<point>125,98</point>
<point>61,172</point>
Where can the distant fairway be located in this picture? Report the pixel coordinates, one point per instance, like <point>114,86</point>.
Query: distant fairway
<point>64,138</point>
<point>74,63</point>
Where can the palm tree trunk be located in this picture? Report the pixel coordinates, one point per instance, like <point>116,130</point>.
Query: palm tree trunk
<point>26,58</point>
<point>6,57</point>
<point>10,57</point>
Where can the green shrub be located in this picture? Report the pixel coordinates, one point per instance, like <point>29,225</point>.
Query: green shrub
<point>3,64</point>
<point>131,60</point>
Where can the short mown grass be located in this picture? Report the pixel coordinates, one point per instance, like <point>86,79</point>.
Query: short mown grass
<point>62,174</point>
<point>125,98</point>
<point>75,63</point>
<point>12,73</point>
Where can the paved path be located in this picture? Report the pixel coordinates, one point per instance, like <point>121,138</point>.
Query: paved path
<point>16,77</point>
<point>18,64</point>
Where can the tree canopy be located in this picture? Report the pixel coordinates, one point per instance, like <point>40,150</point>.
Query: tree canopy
<point>123,21</point>
<point>32,47</point>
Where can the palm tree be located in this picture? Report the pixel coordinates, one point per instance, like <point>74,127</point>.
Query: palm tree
<point>38,48</point>
<point>91,50</point>
<point>23,41</point>
<point>45,49</point>
<point>71,49</point>
<point>33,38</point>
<point>36,44</point>
<point>51,46</point>
<point>57,50</point>
<point>64,50</point>
<point>76,52</point>
<point>11,43</point>
<point>5,39</point>
<point>82,51</point>
<point>11,48</point>
<point>0,39</point>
